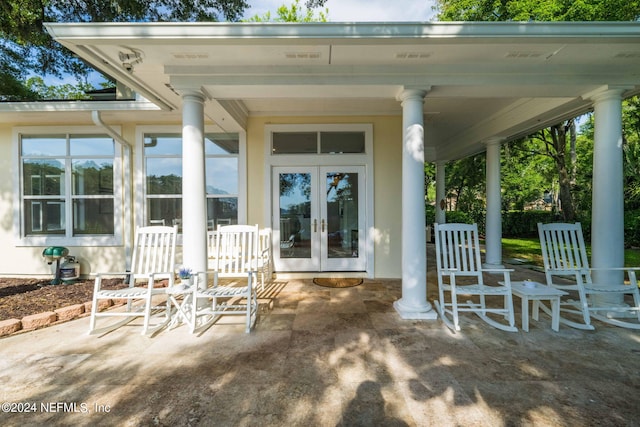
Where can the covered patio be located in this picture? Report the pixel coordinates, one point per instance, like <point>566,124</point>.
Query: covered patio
<point>460,89</point>
<point>321,356</point>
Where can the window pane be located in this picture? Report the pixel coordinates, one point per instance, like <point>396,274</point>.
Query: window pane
<point>44,216</point>
<point>93,216</point>
<point>295,142</point>
<point>221,143</point>
<point>91,145</point>
<point>222,211</point>
<point>164,175</point>
<point>162,144</point>
<point>342,142</point>
<point>169,210</point>
<point>43,177</point>
<point>222,175</point>
<point>92,177</point>
<point>55,145</point>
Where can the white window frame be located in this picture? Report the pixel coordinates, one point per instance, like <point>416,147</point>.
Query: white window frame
<point>140,172</point>
<point>68,239</point>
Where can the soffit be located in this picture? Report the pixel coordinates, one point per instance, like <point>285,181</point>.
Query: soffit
<point>486,79</point>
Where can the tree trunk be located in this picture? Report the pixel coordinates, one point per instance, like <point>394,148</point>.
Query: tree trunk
<point>559,140</point>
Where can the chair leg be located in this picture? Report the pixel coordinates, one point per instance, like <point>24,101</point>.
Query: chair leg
<point>147,315</point>
<point>94,311</point>
<point>249,302</point>
<point>454,311</point>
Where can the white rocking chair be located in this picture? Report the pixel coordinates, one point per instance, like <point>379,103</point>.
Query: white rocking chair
<point>458,255</point>
<point>236,256</point>
<point>564,255</point>
<point>153,260</point>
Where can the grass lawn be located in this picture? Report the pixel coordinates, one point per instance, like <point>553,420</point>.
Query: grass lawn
<point>528,249</point>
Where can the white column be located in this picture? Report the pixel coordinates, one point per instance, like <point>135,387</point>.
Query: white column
<point>493,226</point>
<point>607,208</point>
<point>413,304</point>
<point>194,207</point>
<point>441,193</point>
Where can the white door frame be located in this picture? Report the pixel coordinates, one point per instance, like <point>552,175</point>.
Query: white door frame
<point>314,228</point>
<point>313,160</point>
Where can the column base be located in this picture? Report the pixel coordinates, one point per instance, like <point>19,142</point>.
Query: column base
<point>490,266</point>
<point>619,311</point>
<point>415,313</point>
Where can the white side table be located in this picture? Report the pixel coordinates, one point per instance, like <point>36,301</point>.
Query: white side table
<point>536,292</point>
<point>182,305</point>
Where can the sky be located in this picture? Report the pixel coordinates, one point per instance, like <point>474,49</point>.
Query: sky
<point>358,10</point>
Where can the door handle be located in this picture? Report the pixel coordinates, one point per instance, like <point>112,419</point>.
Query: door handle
<point>322,225</point>
<point>315,225</point>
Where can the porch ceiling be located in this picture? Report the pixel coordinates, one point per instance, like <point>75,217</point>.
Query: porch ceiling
<point>486,79</point>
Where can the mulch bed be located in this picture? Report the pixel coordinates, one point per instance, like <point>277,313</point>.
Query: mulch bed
<point>20,297</point>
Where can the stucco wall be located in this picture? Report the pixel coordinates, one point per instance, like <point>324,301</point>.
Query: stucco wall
<point>387,135</point>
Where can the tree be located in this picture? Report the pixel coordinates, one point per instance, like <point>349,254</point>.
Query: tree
<point>526,176</point>
<point>465,180</point>
<point>26,48</point>
<point>554,145</point>
<point>538,10</point>
<point>38,86</point>
<point>294,13</point>
<point>557,138</point>
<point>631,147</point>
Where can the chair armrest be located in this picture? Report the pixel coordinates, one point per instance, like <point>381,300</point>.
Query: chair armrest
<point>99,276</point>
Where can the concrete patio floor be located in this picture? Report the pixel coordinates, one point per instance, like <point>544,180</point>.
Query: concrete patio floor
<point>325,357</point>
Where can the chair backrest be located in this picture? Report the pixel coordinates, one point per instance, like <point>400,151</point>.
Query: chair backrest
<point>458,248</point>
<point>563,249</point>
<point>264,248</point>
<point>154,250</point>
<point>236,249</point>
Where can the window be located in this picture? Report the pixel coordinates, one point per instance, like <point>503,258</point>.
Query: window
<point>325,142</point>
<point>163,178</point>
<point>67,185</point>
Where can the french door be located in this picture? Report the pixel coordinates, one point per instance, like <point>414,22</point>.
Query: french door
<point>319,218</point>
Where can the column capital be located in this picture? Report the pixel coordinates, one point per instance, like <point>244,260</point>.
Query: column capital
<point>606,92</point>
<point>196,95</point>
<point>409,92</point>
<point>496,140</point>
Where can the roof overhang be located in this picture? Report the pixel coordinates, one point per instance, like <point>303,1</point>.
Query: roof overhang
<point>487,80</point>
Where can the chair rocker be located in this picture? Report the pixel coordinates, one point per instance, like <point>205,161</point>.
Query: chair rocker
<point>236,256</point>
<point>564,255</point>
<point>458,256</point>
<point>152,261</point>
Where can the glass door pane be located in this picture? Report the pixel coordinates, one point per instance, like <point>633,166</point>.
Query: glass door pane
<point>295,219</point>
<point>342,219</point>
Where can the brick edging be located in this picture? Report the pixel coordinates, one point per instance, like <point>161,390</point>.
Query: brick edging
<point>50,318</point>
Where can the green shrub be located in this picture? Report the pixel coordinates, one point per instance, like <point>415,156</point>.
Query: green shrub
<point>459,217</point>
<point>632,228</point>
<point>430,214</point>
<point>524,223</point>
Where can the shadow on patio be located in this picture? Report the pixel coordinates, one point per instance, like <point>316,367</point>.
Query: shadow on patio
<point>325,357</point>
